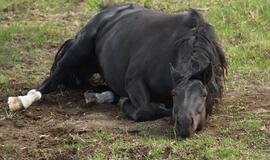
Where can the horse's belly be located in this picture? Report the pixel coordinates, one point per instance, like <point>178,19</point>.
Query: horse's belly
<point>122,53</point>
<point>113,71</point>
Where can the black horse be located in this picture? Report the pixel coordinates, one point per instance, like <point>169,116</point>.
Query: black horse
<point>165,64</point>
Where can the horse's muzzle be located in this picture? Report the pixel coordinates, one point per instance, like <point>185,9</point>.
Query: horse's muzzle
<point>184,126</point>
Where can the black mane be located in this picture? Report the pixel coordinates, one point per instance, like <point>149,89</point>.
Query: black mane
<point>204,49</point>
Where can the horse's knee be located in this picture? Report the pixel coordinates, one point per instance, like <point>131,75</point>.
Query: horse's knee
<point>139,117</point>
<point>131,112</point>
<point>133,115</point>
<point>142,114</point>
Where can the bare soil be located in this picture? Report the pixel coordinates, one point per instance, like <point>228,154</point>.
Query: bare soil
<point>54,119</point>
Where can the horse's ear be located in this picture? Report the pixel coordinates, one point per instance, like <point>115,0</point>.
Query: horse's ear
<point>204,75</point>
<point>176,76</point>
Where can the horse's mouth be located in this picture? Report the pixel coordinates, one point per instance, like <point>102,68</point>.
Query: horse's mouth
<point>182,129</point>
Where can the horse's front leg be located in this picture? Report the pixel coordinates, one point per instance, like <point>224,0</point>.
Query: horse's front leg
<point>138,106</point>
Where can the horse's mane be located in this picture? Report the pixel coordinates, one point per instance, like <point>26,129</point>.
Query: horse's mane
<point>204,49</point>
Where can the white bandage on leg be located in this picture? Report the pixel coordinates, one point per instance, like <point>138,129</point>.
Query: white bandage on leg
<point>17,103</point>
<point>32,96</point>
<point>104,97</point>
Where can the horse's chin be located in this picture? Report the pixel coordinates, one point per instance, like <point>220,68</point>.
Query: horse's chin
<point>183,132</point>
<point>186,132</point>
<point>180,129</point>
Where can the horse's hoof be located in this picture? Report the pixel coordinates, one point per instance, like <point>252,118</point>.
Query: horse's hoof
<point>14,104</point>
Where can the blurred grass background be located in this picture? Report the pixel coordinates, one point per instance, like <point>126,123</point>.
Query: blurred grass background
<point>31,31</point>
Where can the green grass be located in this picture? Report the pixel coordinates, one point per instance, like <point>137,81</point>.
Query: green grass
<point>31,32</point>
<point>199,147</point>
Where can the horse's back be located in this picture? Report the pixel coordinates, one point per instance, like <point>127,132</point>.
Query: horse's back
<point>140,43</point>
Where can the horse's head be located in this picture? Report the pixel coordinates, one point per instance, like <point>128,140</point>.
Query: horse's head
<point>189,101</point>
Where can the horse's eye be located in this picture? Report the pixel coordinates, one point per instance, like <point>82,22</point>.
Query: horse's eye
<point>204,94</point>
<point>199,111</point>
<point>173,93</point>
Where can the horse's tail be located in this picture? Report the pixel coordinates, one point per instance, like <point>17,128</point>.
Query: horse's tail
<point>60,54</point>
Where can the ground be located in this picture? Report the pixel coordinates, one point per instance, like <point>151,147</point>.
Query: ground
<point>62,126</point>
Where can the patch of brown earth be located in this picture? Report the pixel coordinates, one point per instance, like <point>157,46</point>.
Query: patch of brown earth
<point>57,117</point>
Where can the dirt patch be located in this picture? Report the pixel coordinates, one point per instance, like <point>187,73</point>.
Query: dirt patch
<point>55,120</point>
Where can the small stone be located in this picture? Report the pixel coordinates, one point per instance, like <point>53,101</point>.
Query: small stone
<point>44,136</point>
<point>32,115</point>
<point>18,125</point>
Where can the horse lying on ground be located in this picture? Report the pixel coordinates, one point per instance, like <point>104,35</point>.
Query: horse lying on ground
<point>164,64</point>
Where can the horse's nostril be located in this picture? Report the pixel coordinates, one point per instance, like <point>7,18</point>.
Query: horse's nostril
<point>191,121</point>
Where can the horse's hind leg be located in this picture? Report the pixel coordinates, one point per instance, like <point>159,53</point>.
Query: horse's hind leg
<point>78,56</point>
<point>138,106</point>
<point>49,85</point>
